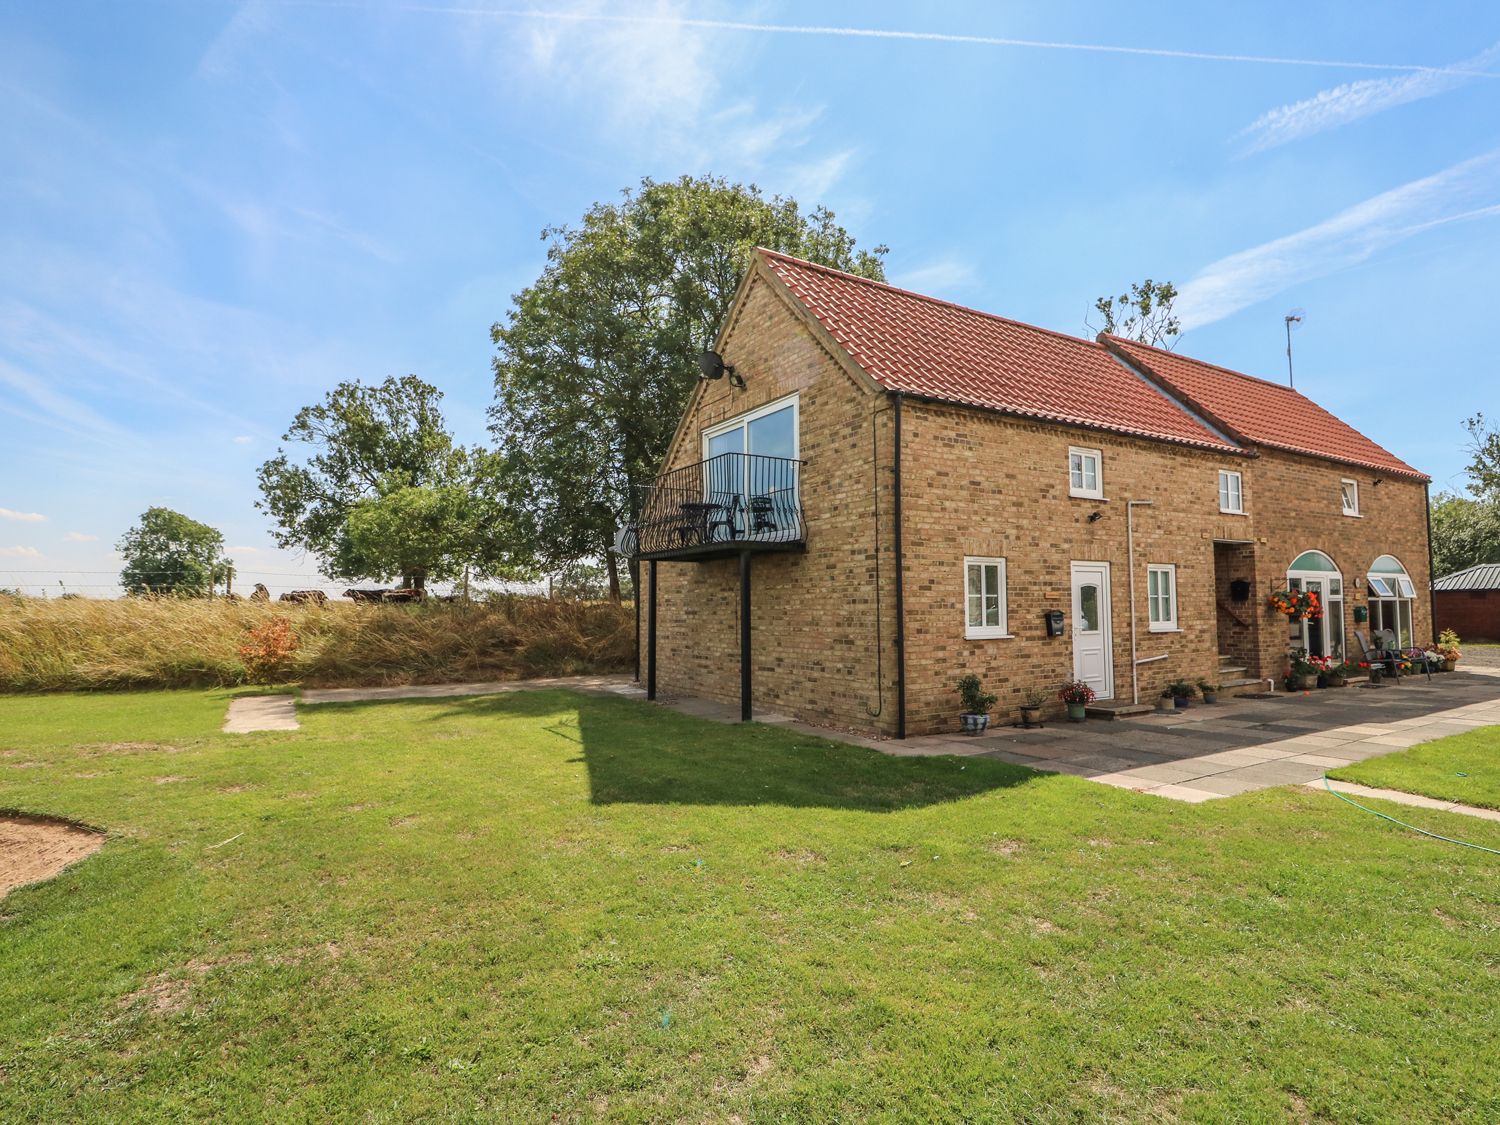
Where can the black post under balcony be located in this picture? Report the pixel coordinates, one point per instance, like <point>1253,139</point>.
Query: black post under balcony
<point>651,632</point>
<point>744,636</point>
<point>721,507</point>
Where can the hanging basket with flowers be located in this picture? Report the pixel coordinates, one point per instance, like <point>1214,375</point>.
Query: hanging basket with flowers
<point>1297,605</point>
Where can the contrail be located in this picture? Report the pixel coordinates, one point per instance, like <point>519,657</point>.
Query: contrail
<point>876,33</point>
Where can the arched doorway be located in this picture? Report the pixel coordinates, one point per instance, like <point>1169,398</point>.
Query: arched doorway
<point>1316,573</point>
<point>1391,595</point>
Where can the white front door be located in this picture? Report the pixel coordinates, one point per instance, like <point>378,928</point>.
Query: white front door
<point>1093,660</point>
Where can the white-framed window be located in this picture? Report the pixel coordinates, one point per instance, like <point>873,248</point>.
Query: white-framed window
<point>1161,597</point>
<point>984,598</point>
<point>771,437</point>
<point>1349,496</point>
<point>1085,473</point>
<point>1231,492</point>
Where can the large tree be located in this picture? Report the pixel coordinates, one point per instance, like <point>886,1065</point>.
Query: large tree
<point>379,472</point>
<point>168,553</point>
<point>595,360</point>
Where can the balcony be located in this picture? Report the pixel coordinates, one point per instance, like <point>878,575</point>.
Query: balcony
<point>727,505</point>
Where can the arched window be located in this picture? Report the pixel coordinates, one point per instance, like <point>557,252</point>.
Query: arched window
<point>1391,594</point>
<point>1316,573</point>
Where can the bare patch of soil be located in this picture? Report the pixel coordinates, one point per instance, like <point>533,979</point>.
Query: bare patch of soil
<point>34,848</point>
<point>93,751</point>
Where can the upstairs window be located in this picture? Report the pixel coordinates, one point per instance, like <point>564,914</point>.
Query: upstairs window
<point>1231,493</point>
<point>984,598</point>
<point>1084,476</point>
<point>1161,597</point>
<point>1349,496</point>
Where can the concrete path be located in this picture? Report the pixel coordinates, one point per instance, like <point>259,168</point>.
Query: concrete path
<point>1414,800</point>
<point>251,713</point>
<point>1240,745</point>
<point>279,712</point>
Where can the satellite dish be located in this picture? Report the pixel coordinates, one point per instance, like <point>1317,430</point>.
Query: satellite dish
<point>710,365</point>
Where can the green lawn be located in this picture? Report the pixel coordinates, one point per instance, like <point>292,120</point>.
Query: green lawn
<point>552,906</point>
<point>1462,767</point>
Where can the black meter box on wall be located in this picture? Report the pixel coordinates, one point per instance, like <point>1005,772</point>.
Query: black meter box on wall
<point>1054,620</point>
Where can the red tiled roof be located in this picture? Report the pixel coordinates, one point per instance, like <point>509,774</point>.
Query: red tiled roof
<point>1260,412</point>
<point>922,346</point>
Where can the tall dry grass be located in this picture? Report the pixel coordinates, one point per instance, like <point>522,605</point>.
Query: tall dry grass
<point>77,644</point>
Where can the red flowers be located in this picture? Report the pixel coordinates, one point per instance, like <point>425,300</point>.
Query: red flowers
<point>1304,605</point>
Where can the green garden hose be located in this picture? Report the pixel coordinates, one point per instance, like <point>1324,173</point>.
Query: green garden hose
<point>1403,824</point>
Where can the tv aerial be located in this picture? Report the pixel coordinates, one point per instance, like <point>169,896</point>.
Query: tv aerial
<point>1295,317</point>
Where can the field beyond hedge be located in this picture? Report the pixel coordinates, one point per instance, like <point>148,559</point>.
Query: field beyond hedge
<point>77,644</point>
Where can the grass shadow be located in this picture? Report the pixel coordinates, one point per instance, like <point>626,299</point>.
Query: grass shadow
<point>638,753</point>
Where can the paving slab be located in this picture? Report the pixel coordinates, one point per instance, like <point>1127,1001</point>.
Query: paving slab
<point>251,713</point>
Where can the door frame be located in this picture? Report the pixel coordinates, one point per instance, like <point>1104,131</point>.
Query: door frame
<point>1106,620</point>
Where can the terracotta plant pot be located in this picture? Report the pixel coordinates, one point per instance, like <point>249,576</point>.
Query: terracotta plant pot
<point>1031,716</point>
<point>1164,703</point>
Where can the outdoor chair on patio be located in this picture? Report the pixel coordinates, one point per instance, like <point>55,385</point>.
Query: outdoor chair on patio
<point>1378,657</point>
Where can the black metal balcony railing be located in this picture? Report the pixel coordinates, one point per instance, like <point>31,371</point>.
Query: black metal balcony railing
<point>730,502</point>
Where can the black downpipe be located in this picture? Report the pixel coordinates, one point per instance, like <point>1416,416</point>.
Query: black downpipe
<point>635,589</point>
<point>1431,557</point>
<point>744,636</point>
<point>651,633</point>
<point>900,585</point>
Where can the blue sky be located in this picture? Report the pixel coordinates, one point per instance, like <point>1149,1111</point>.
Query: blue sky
<point>211,212</point>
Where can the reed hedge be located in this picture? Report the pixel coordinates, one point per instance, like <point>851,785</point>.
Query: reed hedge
<point>81,644</point>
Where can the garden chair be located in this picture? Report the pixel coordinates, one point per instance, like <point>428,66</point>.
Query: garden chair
<point>1381,656</point>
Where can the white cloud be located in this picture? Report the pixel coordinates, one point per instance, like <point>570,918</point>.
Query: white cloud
<point>243,550</point>
<point>951,272</point>
<point>23,517</point>
<point>1329,109</point>
<point>80,537</point>
<point>20,552</point>
<point>242,439</point>
<point>222,57</point>
<point>1465,191</point>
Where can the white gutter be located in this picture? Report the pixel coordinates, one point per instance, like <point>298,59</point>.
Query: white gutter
<point>1135,664</point>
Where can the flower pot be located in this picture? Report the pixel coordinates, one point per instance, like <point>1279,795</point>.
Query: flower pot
<point>1306,683</point>
<point>1181,702</point>
<point>1164,703</point>
<point>1337,681</point>
<point>1031,716</point>
<point>1075,712</point>
<point>1376,675</point>
<point>973,724</point>
<point>1210,697</point>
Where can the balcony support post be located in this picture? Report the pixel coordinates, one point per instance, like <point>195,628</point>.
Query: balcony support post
<point>745,636</point>
<point>651,631</point>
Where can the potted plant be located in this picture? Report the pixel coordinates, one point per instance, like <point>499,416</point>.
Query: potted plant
<point>1032,700</point>
<point>1304,673</point>
<point>1334,676</point>
<point>975,717</point>
<point>1448,646</point>
<point>1182,694</point>
<point>1210,691</point>
<point>1164,701</point>
<point>1377,673</point>
<point>1077,695</point>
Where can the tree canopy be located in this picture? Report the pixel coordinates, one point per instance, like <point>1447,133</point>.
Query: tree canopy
<point>1466,529</point>
<point>168,553</point>
<point>595,360</point>
<point>383,490</point>
<point>1144,313</point>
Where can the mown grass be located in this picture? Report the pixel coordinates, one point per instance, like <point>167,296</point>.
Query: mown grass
<point>547,906</point>
<point>1461,767</point>
<point>80,644</point>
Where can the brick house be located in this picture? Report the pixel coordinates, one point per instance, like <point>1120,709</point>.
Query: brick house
<point>883,491</point>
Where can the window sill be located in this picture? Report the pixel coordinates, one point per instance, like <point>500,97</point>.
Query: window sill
<point>989,636</point>
<point>1232,512</point>
<point>1355,515</point>
<point>1099,499</point>
<point>1165,629</point>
